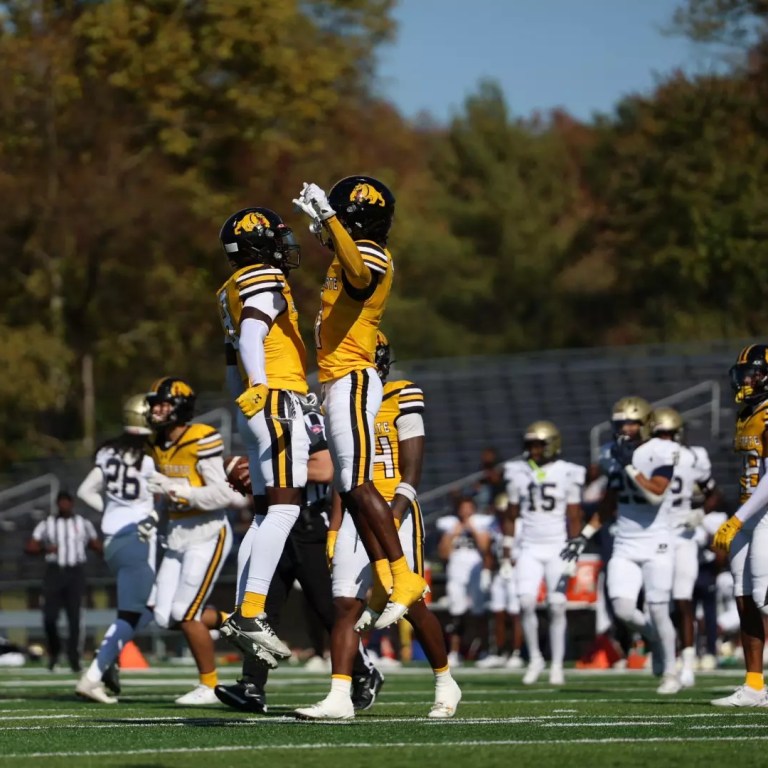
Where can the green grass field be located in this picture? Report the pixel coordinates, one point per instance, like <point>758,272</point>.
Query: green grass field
<point>597,719</point>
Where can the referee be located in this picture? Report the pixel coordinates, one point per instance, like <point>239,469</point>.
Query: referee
<point>63,539</point>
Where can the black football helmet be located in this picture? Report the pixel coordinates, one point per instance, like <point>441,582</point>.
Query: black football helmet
<point>749,375</point>
<point>258,236</point>
<point>365,206</point>
<point>383,356</point>
<point>176,392</point>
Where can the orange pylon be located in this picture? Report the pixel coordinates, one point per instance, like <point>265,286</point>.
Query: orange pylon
<point>131,657</point>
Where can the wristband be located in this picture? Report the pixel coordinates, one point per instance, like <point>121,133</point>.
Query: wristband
<point>407,490</point>
<point>508,542</point>
<point>588,531</point>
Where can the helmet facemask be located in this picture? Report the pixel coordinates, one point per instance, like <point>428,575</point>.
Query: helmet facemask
<point>749,382</point>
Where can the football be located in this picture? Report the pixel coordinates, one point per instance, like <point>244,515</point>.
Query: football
<point>238,473</point>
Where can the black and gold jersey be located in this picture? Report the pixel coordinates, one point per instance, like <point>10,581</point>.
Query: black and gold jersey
<point>399,398</point>
<point>346,325</point>
<point>749,442</point>
<point>284,351</point>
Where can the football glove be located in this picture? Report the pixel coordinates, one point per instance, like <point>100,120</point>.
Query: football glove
<point>314,202</point>
<point>147,527</point>
<point>506,569</point>
<point>726,533</point>
<point>694,520</point>
<point>622,451</point>
<point>161,484</point>
<point>330,547</point>
<point>574,548</point>
<point>253,400</point>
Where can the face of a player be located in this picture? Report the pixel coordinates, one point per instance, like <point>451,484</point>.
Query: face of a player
<point>466,510</point>
<point>631,429</point>
<point>160,412</point>
<point>535,450</point>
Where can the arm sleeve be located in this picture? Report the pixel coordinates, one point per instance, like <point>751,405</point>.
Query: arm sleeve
<point>217,493</point>
<point>355,268</point>
<point>756,502</point>
<point>38,534</point>
<point>90,489</point>
<point>410,425</point>
<point>253,332</point>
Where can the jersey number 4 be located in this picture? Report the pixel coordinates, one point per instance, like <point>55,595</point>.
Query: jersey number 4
<point>385,455</point>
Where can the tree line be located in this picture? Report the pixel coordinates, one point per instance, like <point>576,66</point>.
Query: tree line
<point>130,129</point>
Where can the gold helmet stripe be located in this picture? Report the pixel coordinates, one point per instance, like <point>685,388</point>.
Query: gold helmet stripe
<point>745,353</point>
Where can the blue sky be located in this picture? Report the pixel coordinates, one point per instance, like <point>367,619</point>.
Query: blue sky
<point>582,55</point>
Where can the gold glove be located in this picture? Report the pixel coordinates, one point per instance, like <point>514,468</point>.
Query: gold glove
<point>330,546</point>
<point>725,534</point>
<point>253,400</point>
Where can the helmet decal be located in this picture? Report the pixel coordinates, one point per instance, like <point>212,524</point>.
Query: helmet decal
<point>367,193</point>
<point>249,222</point>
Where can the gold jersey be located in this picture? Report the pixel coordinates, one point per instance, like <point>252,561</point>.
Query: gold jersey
<point>399,398</point>
<point>180,458</point>
<point>346,325</point>
<point>751,424</point>
<point>285,356</point>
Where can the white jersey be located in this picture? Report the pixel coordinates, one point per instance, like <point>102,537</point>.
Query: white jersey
<point>125,488</point>
<point>637,519</point>
<point>693,466</point>
<point>543,494</point>
<point>465,556</point>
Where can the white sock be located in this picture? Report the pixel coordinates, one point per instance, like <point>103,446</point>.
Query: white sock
<point>557,630</point>
<point>267,546</point>
<point>115,638</point>
<point>665,630</point>
<point>688,656</point>
<point>443,679</point>
<point>530,623</point>
<point>341,687</point>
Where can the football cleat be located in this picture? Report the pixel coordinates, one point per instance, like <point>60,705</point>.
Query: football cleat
<point>200,696</point>
<point>332,707</point>
<point>491,661</point>
<point>556,675</point>
<point>111,679</point>
<point>687,677</point>
<point>447,698</point>
<point>408,589</point>
<point>670,684</point>
<point>254,637</point>
<point>515,661</point>
<point>87,689</point>
<point>247,697</point>
<point>743,696</point>
<point>365,689</point>
<point>535,668</point>
<point>367,619</point>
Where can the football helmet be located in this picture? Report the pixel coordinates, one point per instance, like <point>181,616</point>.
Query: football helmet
<point>176,392</point>
<point>749,375</point>
<point>258,236</point>
<point>382,356</point>
<point>632,409</point>
<point>667,420</point>
<point>545,432</point>
<point>136,415</point>
<point>364,206</point>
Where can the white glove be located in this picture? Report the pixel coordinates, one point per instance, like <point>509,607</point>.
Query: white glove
<point>161,484</point>
<point>314,202</point>
<point>694,519</point>
<point>147,526</point>
<point>506,569</point>
<point>485,580</point>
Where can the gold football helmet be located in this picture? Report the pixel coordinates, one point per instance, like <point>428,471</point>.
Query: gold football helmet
<point>667,420</point>
<point>136,415</point>
<point>632,409</point>
<point>545,432</point>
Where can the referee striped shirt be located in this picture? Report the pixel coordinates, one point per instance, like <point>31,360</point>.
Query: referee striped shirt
<point>315,492</point>
<point>70,536</point>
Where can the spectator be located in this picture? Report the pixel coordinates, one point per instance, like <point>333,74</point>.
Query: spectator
<point>63,539</point>
<point>491,483</point>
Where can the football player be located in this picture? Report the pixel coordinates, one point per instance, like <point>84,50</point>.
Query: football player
<point>399,430</point>
<point>641,469</point>
<point>354,222</point>
<point>266,373</point>
<point>745,535</point>
<point>196,494</point>
<point>117,487</point>
<point>544,492</point>
<point>303,561</point>
<point>693,470</point>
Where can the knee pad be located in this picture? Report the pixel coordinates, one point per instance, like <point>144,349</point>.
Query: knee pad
<point>527,603</point>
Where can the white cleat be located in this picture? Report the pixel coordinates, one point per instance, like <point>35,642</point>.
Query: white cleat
<point>198,697</point>
<point>556,676</point>
<point>491,661</point>
<point>330,708</point>
<point>535,668</point>
<point>447,699</point>
<point>367,620</point>
<point>743,696</point>
<point>687,677</point>
<point>87,689</point>
<point>670,684</point>
<point>515,661</point>
<point>391,614</point>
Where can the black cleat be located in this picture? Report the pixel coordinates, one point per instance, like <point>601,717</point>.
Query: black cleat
<point>247,697</point>
<point>111,679</point>
<point>255,637</point>
<point>365,688</point>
